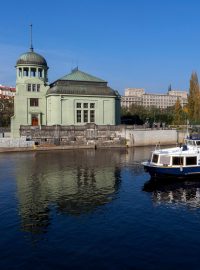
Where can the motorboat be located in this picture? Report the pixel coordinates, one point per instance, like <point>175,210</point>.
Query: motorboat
<point>179,161</point>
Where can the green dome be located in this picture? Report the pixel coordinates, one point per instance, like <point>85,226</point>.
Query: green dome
<point>31,58</point>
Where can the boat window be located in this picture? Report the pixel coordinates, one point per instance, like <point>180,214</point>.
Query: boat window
<point>165,160</point>
<point>191,161</point>
<point>155,158</point>
<point>198,142</point>
<point>177,161</point>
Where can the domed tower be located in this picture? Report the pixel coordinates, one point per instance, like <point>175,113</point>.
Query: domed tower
<point>31,88</point>
<point>31,64</point>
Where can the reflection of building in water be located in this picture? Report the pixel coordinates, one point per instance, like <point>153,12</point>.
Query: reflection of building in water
<point>135,156</point>
<point>75,182</point>
<point>177,192</point>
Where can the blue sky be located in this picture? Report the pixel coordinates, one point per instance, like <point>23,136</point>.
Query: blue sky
<point>130,43</point>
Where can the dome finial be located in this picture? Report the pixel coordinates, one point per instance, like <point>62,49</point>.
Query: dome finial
<point>31,48</point>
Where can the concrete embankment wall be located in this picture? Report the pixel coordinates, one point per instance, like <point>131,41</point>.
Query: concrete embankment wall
<point>15,143</point>
<point>147,137</point>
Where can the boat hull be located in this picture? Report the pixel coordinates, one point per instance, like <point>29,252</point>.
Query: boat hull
<point>157,171</point>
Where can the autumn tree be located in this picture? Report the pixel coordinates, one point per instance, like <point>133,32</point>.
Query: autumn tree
<point>178,114</point>
<point>194,99</point>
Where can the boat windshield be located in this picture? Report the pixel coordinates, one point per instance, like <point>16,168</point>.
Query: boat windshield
<point>191,142</point>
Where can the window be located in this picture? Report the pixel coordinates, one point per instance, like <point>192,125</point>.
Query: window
<point>26,72</point>
<point>191,161</point>
<point>92,117</point>
<point>85,112</point>
<point>29,87</point>
<point>177,160</point>
<point>165,160</point>
<point>85,116</point>
<point>40,73</point>
<point>155,158</point>
<point>33,72</point>
<point>78,116</point>
<point>33,87</point>
<point>20,72</point>
<point>34,102</point>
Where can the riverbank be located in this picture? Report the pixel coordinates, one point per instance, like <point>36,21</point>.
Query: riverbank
<point>119,138</point>
<point>51,147</point>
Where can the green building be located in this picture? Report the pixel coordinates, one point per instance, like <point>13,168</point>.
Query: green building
<point>75,99</point>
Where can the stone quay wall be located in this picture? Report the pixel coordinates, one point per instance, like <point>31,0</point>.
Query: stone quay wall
<point>100,136</point>
<point>89,134</point>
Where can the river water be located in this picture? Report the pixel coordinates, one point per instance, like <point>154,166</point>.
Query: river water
<point>88,209</point>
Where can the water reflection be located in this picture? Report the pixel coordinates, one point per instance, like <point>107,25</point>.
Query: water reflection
<point>72,182</point>
<point>172,191</point>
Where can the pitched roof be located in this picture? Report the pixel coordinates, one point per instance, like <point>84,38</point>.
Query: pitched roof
<point>77,75</point>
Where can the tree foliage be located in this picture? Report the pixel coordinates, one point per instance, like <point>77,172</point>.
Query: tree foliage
<point>194,100</point>
<point>179,117</point>
<point>6,111</point>
<point>150,114</point>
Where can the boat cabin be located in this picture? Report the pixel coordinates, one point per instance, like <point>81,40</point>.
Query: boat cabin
<point>173,160</point>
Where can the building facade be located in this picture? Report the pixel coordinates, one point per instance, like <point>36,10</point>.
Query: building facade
<point>139,97</point>
<point>75,99</point>
<point>79,98</point>
<point>7,92</point>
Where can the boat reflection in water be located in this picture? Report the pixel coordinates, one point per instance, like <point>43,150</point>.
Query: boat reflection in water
<point>174,191</point>
<point>68,182</point>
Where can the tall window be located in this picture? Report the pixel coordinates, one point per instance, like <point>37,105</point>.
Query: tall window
<point>33,72</point>
<point>29,87</point>
<point>78,116</point>
<point>85,116</point>
<point>40,73</point>
<point>20,72</point>
<point>26,72</point>
<point>34,87</point>
<point>34,102</point>
<point>92,117</point>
